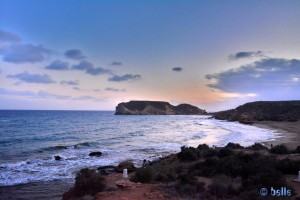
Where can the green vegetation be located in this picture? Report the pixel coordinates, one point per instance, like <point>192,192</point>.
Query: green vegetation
<point>87,182</point>
<point>144,175</point>
<point>230,172</point>
<point>280,149</point>
<point>233,171</point>
<point>234,146</point>
<point>257,147</point>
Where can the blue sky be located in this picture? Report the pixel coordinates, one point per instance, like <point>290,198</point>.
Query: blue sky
<point>94,54</point>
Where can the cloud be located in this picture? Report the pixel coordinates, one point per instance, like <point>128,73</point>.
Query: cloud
<point>89,98</point>
<point>89,68</point>
<point>47,95</point>
<point>8,37</point>
<point>97,71</point>
<point>28,93</point>
<point>126,77</point>
<point>116,63</point>
<point>268,77</point>
<point>17,93</point>
<point>246,54</point>
<point>58,65</point>
<point>32,78</point>
<point>70,82</point>
<point>74,54</point>
<point>44,94</point>
<point>83,65</point>
<point>25,53</point>
<point>111,89</point>
<point>177,69</point>
<point>76,88</point>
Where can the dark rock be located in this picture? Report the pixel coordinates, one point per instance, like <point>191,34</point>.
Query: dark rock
<point>57,157</point>
<point>156,108</point>
<point>109,169</point>
<point>96,153</point>
<point>126,165</point>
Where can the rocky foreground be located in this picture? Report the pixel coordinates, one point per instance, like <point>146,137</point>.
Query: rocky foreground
<point>156,108</point>
<point>248,113</point>
<point>232,173</point>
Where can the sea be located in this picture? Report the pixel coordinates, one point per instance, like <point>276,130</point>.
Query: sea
<point>29,140</point>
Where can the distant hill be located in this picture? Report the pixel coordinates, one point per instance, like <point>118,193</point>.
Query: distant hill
<point>262,111</point>
<point>156,108</point>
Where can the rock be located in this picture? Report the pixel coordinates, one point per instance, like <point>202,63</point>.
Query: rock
<point>96,153</point>
<point>126,165</point>
<point>57,157</point>
<point>248,113</point>
<point>156,108</point>
<point>109,169</point>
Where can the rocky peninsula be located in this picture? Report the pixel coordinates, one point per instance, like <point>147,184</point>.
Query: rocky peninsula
<point>156,108</point>
<point>284,111</point>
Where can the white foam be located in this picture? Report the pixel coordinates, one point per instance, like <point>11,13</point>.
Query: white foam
<point>150,141</point>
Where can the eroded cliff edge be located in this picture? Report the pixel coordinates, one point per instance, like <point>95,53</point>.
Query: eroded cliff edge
<point>156,108</point>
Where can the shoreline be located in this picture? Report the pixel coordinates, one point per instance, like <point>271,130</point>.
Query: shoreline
<point>288,132</point>
<point>51,190</point>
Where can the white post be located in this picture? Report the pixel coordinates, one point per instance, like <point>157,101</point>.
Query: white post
<point>125,174</point>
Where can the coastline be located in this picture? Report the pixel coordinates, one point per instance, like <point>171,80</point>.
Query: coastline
<point>289,133</point>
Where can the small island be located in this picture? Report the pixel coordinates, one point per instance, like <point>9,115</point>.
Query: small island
<point>156,108</point>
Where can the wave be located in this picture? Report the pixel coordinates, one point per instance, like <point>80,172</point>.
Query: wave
<point>65,147</point>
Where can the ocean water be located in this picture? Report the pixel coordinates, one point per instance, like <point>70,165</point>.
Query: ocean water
<point>29,140</point>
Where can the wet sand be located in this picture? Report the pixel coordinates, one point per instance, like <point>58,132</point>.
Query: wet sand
<point>289,132</point>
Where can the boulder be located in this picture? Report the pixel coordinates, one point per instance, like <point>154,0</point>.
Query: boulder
<point>96,153</point>
<point>126,165</point>
<point>57,157</point>
<point>105,170</point>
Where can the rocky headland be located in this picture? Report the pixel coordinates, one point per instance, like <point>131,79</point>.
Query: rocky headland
<point>288,111</point>
<point>156,108</point>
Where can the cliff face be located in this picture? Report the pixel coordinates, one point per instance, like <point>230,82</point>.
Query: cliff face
<point>262,111</point>
<point>156,108</point>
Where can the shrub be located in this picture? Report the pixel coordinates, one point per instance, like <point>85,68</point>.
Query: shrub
<point>188,185</point>
<point>206,168</point>
<point>166,174</point>
<point>210,153</point>
<point>257,147</point>
<point>187,154</point>
<point>221,187</point>
<point>279,149</point>
<point>288,166</point>
<point>224,152</point>
<point>202,147</point>
<point>144,175</point>
<point>88,181</point>
<point>297,150</point>
<point>233,146</point>
<point>190,189</point>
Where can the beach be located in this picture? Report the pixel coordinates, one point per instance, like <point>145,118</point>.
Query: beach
<point>290,132</point>
<point>28,166</point>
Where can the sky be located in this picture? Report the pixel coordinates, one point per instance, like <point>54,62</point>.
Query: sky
<point>92,55</point>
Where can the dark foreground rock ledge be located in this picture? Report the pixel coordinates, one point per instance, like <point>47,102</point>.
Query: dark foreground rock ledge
<point>156,108</point>
<point>262,111</point>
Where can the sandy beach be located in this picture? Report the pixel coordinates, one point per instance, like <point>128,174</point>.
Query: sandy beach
<point>289,132</point>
